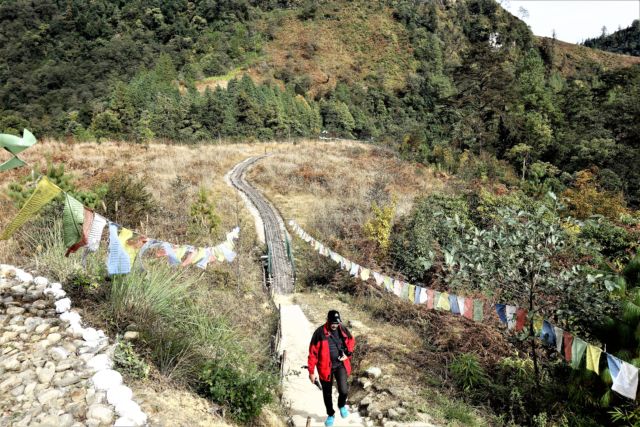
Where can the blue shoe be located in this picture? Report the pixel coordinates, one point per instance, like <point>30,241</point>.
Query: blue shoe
<point>329,421</point>
<point>344,412</point>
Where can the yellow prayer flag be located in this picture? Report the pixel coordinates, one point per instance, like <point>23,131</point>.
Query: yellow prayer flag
<point>412,293</point>
<point>131,250</point>
<point>364,274</point>
<point>593,358</point>
<point>44,193</point>
<point>443,302</point>
<point>537,323</point>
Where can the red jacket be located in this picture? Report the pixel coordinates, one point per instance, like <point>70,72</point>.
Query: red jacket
<point>319,351</point>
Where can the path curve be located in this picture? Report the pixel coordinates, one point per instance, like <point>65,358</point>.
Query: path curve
<point>303,399</point>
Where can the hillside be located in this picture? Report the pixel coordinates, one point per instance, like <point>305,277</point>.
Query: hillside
<point>625,41</point>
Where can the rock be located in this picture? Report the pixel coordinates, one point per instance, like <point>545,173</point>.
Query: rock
<point>106,379</point>
<point>393,414</point>
<point>63,305</point>
<point>12,311</point>
<point>90,335</point>
<point>65,420</point>
<point>58,353</point>
<point>42,328</point>
<point>100,412</point>
<point>10,382</point>
<point>374,372</point>
<point>401,410</point>
<point>68,380</point>
<point>71,317</point>
<point>40,304</point>
<point>100,362</point>
<point>32,323</point>
<point>117,394</point>
<point>64,365</point>
<point>365,383</point>
<point>78,394</point>
<point>41,281</point>
<point>45,374</point>
<point>366,401</point>
<point>28,390</point>
<point>48,395</point>
<point>17,391</point>
<point>12,364</point>
<point>131,335</point>
<point>54,338</point>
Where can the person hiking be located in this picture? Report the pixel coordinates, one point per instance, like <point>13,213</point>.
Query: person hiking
<point>330,351</point>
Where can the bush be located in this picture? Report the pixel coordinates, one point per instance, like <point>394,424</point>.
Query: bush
<point>127,199</point>
<point>127,361</point>
<point>467,372</point>
<point>244,393</point>
<point>615,242</point>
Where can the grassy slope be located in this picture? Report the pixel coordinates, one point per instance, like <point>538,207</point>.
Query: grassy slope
<point>569,59</point>
<point>346,41</point>
<point>202,165</point>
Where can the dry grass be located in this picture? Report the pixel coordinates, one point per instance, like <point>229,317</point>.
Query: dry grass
<point>347,41</point>
<point>570,58</point>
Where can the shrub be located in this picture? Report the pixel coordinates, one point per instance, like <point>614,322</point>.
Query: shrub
<point>126,360</point>
<point>378,229</point>
<point>127,199</point>
<point>586,199</point>
<point>467,372</point>
<point>203,216</point>
<point>243,392</point>
<point>614,241</point>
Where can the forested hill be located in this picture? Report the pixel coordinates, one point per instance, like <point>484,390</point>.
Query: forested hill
<point>439,81</point>
<point>626,40</point>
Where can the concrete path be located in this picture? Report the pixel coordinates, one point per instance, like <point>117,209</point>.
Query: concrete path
<point>303,398</point>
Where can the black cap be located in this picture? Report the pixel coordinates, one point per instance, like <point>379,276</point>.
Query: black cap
<point>333,317</point>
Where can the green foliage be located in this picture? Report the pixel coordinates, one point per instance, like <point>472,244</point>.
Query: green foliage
<point>106,124</point>
<point>202,214</point>
<point>378,228</point>
<point>467,372</point>
<point>127,361</point>
<point>20,191</point>
<point>615,242</point>
<point>244,393</point>
<point>416,244</point>
<point>585,198</point>
<point>625,41</point>
<point>127,199</point>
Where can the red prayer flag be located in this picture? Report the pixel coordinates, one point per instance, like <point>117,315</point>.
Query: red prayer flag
<point>521,317</point>
<point>568,340</point>
<point>468,308</point>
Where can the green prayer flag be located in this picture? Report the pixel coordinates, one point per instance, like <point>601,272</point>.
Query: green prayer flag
<point>478,310</point>
<point>13,162</point>
<point>14,145</point>
<point>72,219</point>
<point>578,348</point>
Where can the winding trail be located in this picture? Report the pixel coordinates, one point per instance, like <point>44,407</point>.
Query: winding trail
<point>274,228</point>
<point>303,399</point>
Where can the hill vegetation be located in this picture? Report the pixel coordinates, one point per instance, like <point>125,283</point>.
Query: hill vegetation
<point>625,40</point>
<point>430,79</point>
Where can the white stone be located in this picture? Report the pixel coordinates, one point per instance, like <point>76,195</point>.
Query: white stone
<point>90,335</point>
<point>63,305</point>
<point>48,395</point>
<point>41,281</point>
<point>54,338</point>
<point>374,372</point>
<point>42,328</point>
<point>70,316</point>
<point>58,353</point>
<point>131,335</point>
<point>100,412</point>
<point>100,362</point>
<point>119,393</point>
<point>12,311</point>
<point>126,406</point>
<point>23,276</point>
<point>106,379</point>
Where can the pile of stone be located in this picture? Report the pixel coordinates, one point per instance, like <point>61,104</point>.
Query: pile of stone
<point>53,370</point>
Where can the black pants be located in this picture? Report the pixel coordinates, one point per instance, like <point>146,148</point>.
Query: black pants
<point>340,374</point>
